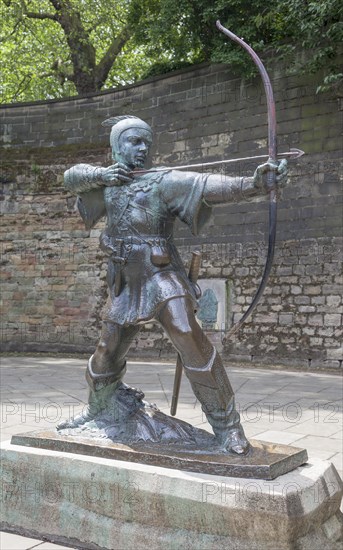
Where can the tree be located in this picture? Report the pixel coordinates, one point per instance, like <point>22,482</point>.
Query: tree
<point>54,48</point>
<point>315,27</point>
<point>285,28</point>
<point>185,29</point>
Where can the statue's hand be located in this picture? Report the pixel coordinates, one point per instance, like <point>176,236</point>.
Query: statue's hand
<point>117,174</point>
<point>109,250</point>
<point>280,168</point>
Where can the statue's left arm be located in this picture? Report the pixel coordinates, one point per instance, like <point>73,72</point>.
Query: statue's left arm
<point>190,195</point>
<point>223,189</point>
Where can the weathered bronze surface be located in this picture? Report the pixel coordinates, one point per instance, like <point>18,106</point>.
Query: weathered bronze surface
<point>265,460</point>
<point>148,281</point>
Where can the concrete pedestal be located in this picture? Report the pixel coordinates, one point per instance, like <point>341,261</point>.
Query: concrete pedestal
<point>99,503</point>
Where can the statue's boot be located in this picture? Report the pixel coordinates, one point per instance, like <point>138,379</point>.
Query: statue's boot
<point>212,388</point>
<point>101,389</point>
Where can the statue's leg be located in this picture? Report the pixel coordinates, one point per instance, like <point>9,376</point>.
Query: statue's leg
<point>105,370</point>
<point>205,371</point>
<point>107,364</point>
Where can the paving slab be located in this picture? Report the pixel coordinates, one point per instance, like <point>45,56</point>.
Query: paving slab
<point>8,541</point>
<point>36,388</point>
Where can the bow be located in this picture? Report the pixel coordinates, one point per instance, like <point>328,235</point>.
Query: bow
<point>271,176</point>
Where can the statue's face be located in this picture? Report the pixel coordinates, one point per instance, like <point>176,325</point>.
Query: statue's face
<point>133,147</point>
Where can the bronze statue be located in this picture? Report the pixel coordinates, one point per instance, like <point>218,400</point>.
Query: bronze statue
<point>146,277</point>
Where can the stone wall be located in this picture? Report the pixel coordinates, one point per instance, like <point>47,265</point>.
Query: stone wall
<point>53,285</point>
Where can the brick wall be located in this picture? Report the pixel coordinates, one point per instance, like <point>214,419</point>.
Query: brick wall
<point>53,284</point>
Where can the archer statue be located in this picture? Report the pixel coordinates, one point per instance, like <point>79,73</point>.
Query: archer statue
<point>146,277</point>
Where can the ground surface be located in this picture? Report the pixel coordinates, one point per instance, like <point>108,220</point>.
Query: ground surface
<point>297,408</point>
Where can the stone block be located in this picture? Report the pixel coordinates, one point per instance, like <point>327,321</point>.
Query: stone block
<point>95,503</point>
<point>335,354</point>
<point>332,319</point>
<point>333,364</point>
<point>307,309</point>
<point>315,320</point>
<point>286,318</point>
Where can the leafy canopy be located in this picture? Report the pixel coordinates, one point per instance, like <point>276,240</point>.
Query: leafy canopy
<point>57,48</point>
<point>307,35</point>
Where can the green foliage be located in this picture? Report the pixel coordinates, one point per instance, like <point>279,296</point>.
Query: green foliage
<point>26,52</point>
<point>57,48</point>
<point>317,28</point>
<point>165,67</point>
<point>44,60</point>
<point>305,34</point>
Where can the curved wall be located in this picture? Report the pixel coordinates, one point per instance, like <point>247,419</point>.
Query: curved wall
<point>53,284</point>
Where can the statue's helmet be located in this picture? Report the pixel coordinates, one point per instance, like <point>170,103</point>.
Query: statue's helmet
<point>121,123</point>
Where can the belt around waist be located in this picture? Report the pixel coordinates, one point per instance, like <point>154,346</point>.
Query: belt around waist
<point>151,240</point>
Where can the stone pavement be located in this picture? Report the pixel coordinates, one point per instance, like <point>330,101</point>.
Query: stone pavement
<point>303,409</point>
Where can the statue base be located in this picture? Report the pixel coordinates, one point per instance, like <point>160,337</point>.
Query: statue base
<point>264,460</point>
<point>94,503</point>
<point>125,427</point>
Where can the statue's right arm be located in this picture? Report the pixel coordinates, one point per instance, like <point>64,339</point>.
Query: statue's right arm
<point>83,177</point>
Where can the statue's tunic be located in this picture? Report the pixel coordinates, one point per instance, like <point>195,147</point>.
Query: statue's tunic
<point>140,223</point>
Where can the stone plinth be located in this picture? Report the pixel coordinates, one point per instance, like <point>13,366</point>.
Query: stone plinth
<point>264,460</point>
<point>100,503</point>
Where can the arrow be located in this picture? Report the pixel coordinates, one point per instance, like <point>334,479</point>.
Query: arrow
<point>292,154</point>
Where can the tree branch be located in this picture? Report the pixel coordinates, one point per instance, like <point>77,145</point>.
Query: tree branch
<point>58,5</point>
<point>82,51</point>
<point>33,15</point>
<point>25,81</point>
<point>105,64</point>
